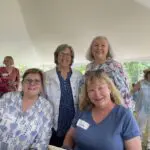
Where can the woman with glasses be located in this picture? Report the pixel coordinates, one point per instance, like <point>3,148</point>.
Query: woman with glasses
<point>102,123</point>
<point>26,117</point>
<point>9,76</point>
<point>62,89</point>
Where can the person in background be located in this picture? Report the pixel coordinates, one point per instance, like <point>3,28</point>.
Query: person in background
<point>141,95</point>
<point>102,123</point>
<point>9,76</point>
<point>100,55</point>
<point>26,118</point>
<point>62,89</point>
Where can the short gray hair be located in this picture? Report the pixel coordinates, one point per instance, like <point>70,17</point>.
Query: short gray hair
<point>89,55</point>
<point>61,48</point>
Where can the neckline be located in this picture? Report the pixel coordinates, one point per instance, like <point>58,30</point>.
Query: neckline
<point>9,72</point>
<point>102,121</point>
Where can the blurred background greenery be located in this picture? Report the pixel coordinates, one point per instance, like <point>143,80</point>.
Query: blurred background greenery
<point>134,69</point>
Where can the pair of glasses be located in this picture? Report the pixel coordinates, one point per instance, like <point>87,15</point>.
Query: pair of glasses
<point>30,81</point>
<point>65,54</point>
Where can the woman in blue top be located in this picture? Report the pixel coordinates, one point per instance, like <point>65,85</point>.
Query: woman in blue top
<point>102,124</point>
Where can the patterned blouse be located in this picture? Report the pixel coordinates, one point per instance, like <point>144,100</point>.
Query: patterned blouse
<point>115,71</point>
<point>24,130</point>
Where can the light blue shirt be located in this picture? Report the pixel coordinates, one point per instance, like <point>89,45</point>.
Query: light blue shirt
<point>23,130</point>
<point>142,97</point>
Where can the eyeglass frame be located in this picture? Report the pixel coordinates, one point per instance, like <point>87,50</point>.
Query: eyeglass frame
<point>30,81</point>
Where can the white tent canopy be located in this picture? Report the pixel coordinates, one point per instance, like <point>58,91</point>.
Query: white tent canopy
<point>30,30</point>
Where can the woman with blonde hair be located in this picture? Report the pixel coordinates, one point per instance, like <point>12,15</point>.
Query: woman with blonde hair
<point>102,123</point>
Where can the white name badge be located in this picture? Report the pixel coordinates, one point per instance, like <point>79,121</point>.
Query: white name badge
<point>83,124</point>
<point>4,74</point>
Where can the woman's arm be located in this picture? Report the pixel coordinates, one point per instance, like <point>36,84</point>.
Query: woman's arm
<point>133,144</point>
<point>68,141</point>
<point>130,132</point>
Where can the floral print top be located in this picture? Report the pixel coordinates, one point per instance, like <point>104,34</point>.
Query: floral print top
<point>115,71</point>
<point>24,130</point>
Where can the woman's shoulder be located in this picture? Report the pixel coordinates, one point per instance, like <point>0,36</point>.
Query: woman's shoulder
<point>121,110</point>
<point>114,62</point>
<point>89,66</point>
<point>76,73</point>
<point>50,73</point>
<point>16,69</point>
<point>46,103</point>
<point>12,96</point>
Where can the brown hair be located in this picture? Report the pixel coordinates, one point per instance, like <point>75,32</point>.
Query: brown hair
<point>33,71</point>
<point>61,48</point>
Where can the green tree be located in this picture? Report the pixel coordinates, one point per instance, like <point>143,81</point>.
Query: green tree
<point>135,70</point>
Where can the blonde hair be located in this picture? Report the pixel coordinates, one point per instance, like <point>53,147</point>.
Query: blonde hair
<point>98,75</point>
<point>89,55</point>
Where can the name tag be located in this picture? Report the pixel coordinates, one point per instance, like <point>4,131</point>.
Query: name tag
<point>83,124</point>
<point>4,74</point>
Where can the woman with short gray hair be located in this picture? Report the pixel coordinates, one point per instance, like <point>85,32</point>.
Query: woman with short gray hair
<point>101,57</point>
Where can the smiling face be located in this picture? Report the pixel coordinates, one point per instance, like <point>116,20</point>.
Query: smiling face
<point>32,84</point>
<point>99,49</point>
<point>64,58</point>
<point>99,93</point>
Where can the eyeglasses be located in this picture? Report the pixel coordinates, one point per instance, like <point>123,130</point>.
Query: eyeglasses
<point>64,54</point>
<point>30,81</point>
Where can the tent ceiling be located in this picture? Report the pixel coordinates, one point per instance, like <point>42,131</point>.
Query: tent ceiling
<point>30,30</point>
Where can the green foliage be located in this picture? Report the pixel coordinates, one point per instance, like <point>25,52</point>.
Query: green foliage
<point>22,68</point>
<point>135,70</point>
<point>81,68</point>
